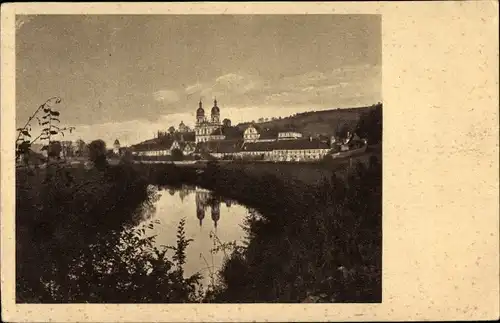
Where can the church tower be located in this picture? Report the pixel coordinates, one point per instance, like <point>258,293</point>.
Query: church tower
<point>200,114</point>
<point>215,113</point>
<point>116,147</point>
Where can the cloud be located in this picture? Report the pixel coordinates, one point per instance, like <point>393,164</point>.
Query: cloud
<point>167,96</point>
<point>346,86</point>
<point>235,82</point>
<point>195,88</point>
<point>230,86</point>
<point>354,85</point>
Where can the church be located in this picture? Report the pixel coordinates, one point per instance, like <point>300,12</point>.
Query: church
<point>208,129</point>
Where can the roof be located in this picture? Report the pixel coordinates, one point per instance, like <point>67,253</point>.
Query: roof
<point>184,144</point>
<point>229,132</point>
<point>268,134</point>
<point>200,110</point>
<point>265,132</point>
<point>258,146</point>
<point>232,146</point>
<point>186,136</point>
<point>300,144</point>
<point>219,146</point>
<point>232,132</point>
<point>164,142</point>
<point>154,144</point>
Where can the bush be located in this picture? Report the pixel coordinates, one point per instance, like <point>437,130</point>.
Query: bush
<point>97,154</point>
<point>81,235</point>
<point>177,155</point>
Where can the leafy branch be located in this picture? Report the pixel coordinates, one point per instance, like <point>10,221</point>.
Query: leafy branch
<point>24,140</point>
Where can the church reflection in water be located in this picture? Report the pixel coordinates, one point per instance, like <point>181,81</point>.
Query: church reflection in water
<point>206,200</point>
<point>207,203</point>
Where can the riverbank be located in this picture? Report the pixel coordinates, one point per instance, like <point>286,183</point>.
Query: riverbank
<point>320,241</point>
<point>314,238</point>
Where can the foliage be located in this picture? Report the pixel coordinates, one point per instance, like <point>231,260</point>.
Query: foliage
<point>316,122</point>
<point>97,153</point>
<point>48,118</point>
<point>342,130</point>
<point>82,237</point>
<point>177,154</point>
<point>339,221</point>
<point>316,242</point>
<point>54,150</point>
<point>81,148</point>
<point>68,150</point>
<point>77,238</point>
<point>370,125</point>
<point>127,157</point>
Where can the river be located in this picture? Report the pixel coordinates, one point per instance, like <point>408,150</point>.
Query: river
<point>205,215</point>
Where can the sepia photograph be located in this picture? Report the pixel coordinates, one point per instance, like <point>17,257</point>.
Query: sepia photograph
<point>249,162</point>
<point>198,159</point>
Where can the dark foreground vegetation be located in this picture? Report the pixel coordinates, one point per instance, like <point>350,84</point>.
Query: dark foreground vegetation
<point>318,242</point>
<point>79,236</point>
<point>81,230</point>
<point>78,240</point>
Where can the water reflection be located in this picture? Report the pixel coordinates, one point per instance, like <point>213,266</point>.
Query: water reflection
<point>206,214</point>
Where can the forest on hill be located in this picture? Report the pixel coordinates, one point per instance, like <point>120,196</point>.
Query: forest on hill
<point>325,122</point>
<point>366,121</point>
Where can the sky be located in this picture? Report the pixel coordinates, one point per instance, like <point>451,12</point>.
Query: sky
<point>125,77</point>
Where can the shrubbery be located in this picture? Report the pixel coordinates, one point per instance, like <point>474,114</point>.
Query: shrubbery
<point>77,234</point>
<point>83,240</point>
<point>311,242</point>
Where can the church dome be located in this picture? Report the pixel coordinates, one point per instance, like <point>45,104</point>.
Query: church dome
<point>215,109</point>
<point>200,111</point>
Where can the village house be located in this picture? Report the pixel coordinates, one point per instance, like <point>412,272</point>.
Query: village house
<point>289,135</point>
<point>254,133</point>
<point>162,146</point>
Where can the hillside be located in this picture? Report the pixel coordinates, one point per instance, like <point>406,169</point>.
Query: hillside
<point>326,122</point>
<point>311,123</point>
